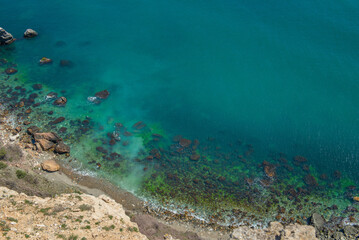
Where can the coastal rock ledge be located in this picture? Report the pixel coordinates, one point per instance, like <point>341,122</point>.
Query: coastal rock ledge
<point>276,231</point>
<point>68,216</point>
<point>5,37</point>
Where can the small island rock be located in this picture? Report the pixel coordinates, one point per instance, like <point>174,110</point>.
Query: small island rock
<point>30,33</point>
<point>5,37</point>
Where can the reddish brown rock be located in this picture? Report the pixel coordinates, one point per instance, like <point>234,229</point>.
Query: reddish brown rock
<point>102,94</point>
<point>10,71</point>
<point>61,101</point>
<point>50,136</point>
<point>185,142</point>
<point>45,144</point>
<point>62,148</point>
<point>58,120</point>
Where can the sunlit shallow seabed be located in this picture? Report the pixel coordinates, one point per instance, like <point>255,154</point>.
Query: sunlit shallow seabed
<point>232,112</point>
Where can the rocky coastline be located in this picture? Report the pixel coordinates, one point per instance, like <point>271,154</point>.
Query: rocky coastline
<point>32,158</point>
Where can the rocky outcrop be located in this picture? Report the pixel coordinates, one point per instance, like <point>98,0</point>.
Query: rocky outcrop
<point>5,37</point>
<point>276,231</point>
<point>30,33</point>
<point>68,216</point>
<point>50,166</point>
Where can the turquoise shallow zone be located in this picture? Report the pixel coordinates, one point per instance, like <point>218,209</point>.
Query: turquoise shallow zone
<point>282,76</point>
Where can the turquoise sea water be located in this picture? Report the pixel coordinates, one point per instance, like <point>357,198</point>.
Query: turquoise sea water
<point>282,76</point>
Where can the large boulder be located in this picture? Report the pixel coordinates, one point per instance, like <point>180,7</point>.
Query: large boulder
<point>50,166</point>
<point>45,144</point>
<point>30,33</point>
<point>50,136</point>
<point>62,148</point>
<point>5,37</point>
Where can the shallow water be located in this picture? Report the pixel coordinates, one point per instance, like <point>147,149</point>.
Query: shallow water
<point>282,77</point>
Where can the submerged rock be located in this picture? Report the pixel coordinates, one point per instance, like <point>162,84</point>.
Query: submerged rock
<point>66,63</point>
<point>5,37</point>
<point>58,120</point>
<point>10,71</point>
<point>30,33</point>
<point>37,86</point>
<point>50,166</point>
<point>102,94</point>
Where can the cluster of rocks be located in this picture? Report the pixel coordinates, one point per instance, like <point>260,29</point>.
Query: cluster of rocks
<point>45,141</point>
<point>6,38</point>
<point>276,231</point>
<point>336,228</point>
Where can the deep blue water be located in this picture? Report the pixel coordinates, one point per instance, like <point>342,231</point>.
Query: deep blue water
<point>280,75</point>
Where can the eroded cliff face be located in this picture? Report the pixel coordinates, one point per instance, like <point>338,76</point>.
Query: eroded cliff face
<point>68,216</point>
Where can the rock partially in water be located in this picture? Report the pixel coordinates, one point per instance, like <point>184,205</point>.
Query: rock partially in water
<point>45,60</point>
<point>30,33</point>
<point>102,94</point>
<point>50,96</point>
<point>94,100</point>
<point>61,101</point>
<point>50,166</point>
<point>62,148</point>
<point>5,37</point>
